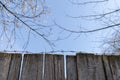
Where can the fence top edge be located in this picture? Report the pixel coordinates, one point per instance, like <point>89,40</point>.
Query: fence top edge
<point>46,54</point>
<point>85,53</point>
<point>80,53</point>
<point>96,54</point>
<point>5,53</point>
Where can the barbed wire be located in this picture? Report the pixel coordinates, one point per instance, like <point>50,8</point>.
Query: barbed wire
<point>42,52</point>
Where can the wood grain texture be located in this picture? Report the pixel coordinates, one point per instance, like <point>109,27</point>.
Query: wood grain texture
<point>32,67</point>
<point>98,67</point>
<point>79,67</point>
<point>4,65</point>
<point>71,67</point>
<point>90,67</point>
<point>82,67</point>
<point>9,66</point>
<point>59,67</point>
<point>114,63</point>
<point>49,67</point>
<point>54,67</point>
<point>14,68</point>
<point>107,68</point>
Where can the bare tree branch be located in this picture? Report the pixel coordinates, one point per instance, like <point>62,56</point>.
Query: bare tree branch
<point>41,35</point>
<point>88,31</point>
<point>89,2</point>
<point>27,15</point>
<point>98,16</point>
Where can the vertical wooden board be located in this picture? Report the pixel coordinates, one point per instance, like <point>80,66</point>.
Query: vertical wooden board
<point>54,67</point>
<point>82,67</point>
<point>97,67</point>
<point>71,67</point>
<point>14,68</point>
<point>49,67</point>
<point>32,67</point>
<point>59,67</point>
<point>4,65</point>
<point>90,67</point>
<point>115,67</point>
<point>107,68</point>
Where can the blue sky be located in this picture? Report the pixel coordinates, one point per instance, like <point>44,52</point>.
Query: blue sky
<point>92,42</point>
<point>58,11</point>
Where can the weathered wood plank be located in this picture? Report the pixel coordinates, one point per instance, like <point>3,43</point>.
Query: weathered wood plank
<point>114,62</point>
<point>59,67</point>
<point>107,68</point>
<point>82,67</point>
<point>9,66</point>
<point>95,63</point>
<point>90,67</point>
<point>71,67</point>
<point>4,65</point>
<point>54,67</point>
<point>32,67</point>
<point>49,67</point>
<point>14,68</point>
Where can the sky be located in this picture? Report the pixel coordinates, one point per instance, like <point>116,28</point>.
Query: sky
<point>60,11</point>
<point>90,43</point>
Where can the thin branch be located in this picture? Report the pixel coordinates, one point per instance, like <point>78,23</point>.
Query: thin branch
<point>87,31</point>
<point>41,35</point>
<point>98,16</point>
<point>31,16</point>
<point>28,39</point>
<point>88,2</point>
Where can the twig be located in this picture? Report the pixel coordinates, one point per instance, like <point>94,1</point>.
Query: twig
<point>41,35</point>
<point>88,2</point>
<point>88,31</point>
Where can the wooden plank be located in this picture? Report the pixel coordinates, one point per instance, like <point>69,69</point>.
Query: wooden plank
<point>90,67</point>
<point>32,67</point>
<point>114,62</point>
<point>95,67</point>
<point>107,68</point>
<point>4,65</point>
<point>71,66</point>
<point>49,67</point>
<point>14,68</point>
<point>54,67</point>
<point>82,67</point>
<point>59,67</point>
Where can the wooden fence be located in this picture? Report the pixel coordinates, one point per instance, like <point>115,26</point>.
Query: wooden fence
<point>51,67</point>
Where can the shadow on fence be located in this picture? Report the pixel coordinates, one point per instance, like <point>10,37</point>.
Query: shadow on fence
<point>51,67</point>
